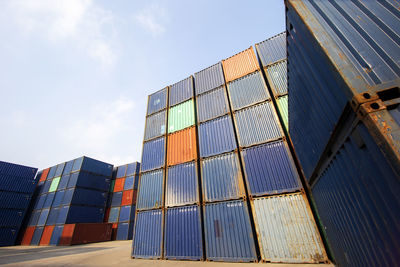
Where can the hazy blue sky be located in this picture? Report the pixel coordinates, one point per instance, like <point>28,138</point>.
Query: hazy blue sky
<point>75,74</point>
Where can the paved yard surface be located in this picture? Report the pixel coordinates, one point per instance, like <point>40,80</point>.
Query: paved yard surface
<point>116,253</point>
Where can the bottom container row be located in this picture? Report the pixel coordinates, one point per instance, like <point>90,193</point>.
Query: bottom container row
<point>286,232</point>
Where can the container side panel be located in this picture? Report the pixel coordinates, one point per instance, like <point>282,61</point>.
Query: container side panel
<point>284,110</point>
<point>181,91</point>
<point>212,104</point>
<point>181,116</point>
<point>153,154</point>
<point>272,50</point>
<point>209,78</point>
<point>157,101</point>
<point>150,190</point>
<point>182,185</point>
<point>155,126</point>
<point>277,78</point>
<point>182,146</point>
<point>240,65</point>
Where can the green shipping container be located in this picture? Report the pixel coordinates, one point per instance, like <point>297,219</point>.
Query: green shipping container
<point>181,116</point>
<point>112,186</point>
<point>54,184</point>
<point>283,110</point>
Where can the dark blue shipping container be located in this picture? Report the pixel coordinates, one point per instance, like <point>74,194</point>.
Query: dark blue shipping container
<point>153,154</point>
<point>37,235</point>
<point>209,78</point>
<point>58,198</point>
<point>68,167</point>
<point>358,201</point>
<point>51,173</point>
<point>89,180</point>
<point>63,182</point>
<point>17,178</point>
<point>222,178</point>
<point>55,237</point>
<point>46,187</point>
<point>125,231</point>
<point>49,200</point>
<point>183,238</point>
<point>53,215</point>
<point>272,50</point>
<point>182,185</point>
<point>148,235</point>
<point>181,91</point>
<point>59,170</point>
<point>15,170</point>
<point>150,193</point>
<point>14,200</point>
<point>216,136</point>
<point>43,217</point>
<point>127,213</point>
<point>133,168</point>
<point>114,215</point>
<point>11,217</point>
<point>80,214</point>
<point>93,166</point>
<point>121,170</point>
<point>157,101</point>
<point>213,104</point>
<point>228,232</point>
<point>270,169</point>
<point>8,235</point>
<point>116,199</point>
<point>34,218</point>
<point>81,196</point>
<point>129,182</point>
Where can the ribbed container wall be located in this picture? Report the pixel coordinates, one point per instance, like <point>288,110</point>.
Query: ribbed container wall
<point>277,77</point>
<point>157,101</point>
<point>153,155</point>
<point>212,104</point>
<point>151,189</point>
<point>181,116</point>
<point>155,125</point>
<point>182,185</point>
<point>181,91</point>
<point>240,65</point>
<point>209,78</point>
<point>272,50</point>
<point>182,146</point>
<point>283,109</point>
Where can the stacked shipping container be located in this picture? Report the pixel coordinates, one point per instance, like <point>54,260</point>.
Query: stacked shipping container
<point>17,184</point>
<point>68,193</point>
<point>343,80</point>
<point>121,204</point>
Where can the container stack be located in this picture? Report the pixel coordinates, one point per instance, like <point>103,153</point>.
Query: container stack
<point>121,205</point>
<point>17,185</point>
<point>71,193</point>
<point>344,80</point>
<point>272,55</point>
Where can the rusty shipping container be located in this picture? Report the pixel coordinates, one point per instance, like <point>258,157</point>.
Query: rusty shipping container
<point>182,146</point>
<point>239,65</point>
<point>83,233</point>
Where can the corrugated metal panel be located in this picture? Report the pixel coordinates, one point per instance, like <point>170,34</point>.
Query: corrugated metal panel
<point>150,193</point>
<point>216,136</point>
<point>228,232</point>
<point>183,239</point>
<point>182,185</point>
<point>68,167</point>
<point>121,170</point>
<point>222,178</point>
<point>272,50</point>
<point>247,90</point>
<point>157,101</point>
<point>240,64</point>
<point>257,124</point>
<point>284,110</point>
<point>148,235</point>
<point>37,235</point>
<point>59,170</point>
<point>209,78</point>
<point>181,116</point>
<point>153,154</point>
<point>286,230</point>
<point>337,50</point>
<point>155,125</point>
<point>277,77</point>
<point>269,169</point>
<point>181,91</point>
<point>212,104</point>
<point>133,168</point>
<point>182,146</point>
<point>54,184</point>
<point>358,201</point>
<point>125,231</point>
<point>114,215</point>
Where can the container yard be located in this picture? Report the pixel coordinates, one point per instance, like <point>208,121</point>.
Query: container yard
<point>285,153</point>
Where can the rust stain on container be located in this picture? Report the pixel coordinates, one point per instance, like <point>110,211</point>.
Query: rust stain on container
<point>46,236</point>
<point>240,65</point>
<point>182,146</point>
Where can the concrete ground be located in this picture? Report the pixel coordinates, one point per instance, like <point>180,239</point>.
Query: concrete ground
<point>116,253</point>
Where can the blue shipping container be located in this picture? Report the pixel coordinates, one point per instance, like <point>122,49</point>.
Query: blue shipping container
<point>153,154</point>
<point>212,104</point>
<point>182,185</point>
<point>209,78</point>
<point>56,235</point>
<point>148,235</point>
<point>49,200</point>
<point>82,196</point>
<point>126,214</point>
<point>121,170</point>
<point>183,238</point>
<point>80,214</point>
<point>150,193</point>
<point>64,181</point>
<point>43,217</point>
<point>53,215</point>
<point>272,50</point>
<point>157,101</point>
<point>114,215</point>
<point>37,235</point>
<point>14,200</point>
<point>181,91</point>
<point>89,180</point>
<point>129,182</point>
<point>155,125</point>
<point>8,235</point>
<point>68,167</point>
<point>125,231</point>
<point>133,168</point>
<point>277,78</point>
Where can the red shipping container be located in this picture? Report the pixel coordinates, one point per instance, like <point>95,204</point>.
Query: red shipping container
<point>134,196</point>
<point>82,233</point>
<point>127,197</point>
<point>26,240</point>
<point>44,175</point>
<point>119,184</point>
<point>46,236</point>
<point>107,215</point>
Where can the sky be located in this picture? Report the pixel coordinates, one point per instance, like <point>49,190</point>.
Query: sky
<point>75,74</point>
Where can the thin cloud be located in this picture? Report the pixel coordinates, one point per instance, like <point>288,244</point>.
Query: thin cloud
<point>153,19</point>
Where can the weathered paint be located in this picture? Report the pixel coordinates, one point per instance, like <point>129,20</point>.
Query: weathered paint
<point>150,193</point>
<point>286,230</point>
<point>222,178</point>
<point>257,124</point>
<point>209,78</point>
<point>181,91</point>
<point>183,237</point>
<point>228,233</point>
<point>181,116</point>
<point>212,104</point>
<point>272,50</point>
<point>240,65</point>
<point>277,77</point>
<point>153,154</point>
<point>216,136</point>
<point>182,185</point>
<point>148,235</point>
<point>269,169</point>
<point>283,110</point>
<point>247,90</point>
<point>182,146</point>
<point>157,101</point>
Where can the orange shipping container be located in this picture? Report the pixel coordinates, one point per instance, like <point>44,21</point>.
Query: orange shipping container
<point>44,175</point>
<point>119,184</point>
<point>239,65</point>
<point>182,146</point>
<point>127,197</point>
<point>26,240</point>
<point>46,236</point>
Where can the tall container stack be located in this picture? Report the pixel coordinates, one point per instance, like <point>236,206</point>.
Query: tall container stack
<point>344,80</point>
<point>272,55</point>
<point>284,223</point>
<point>121,205</point>
<point>71,193</point>
<point>227,227</point>
<point>17,185</point>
